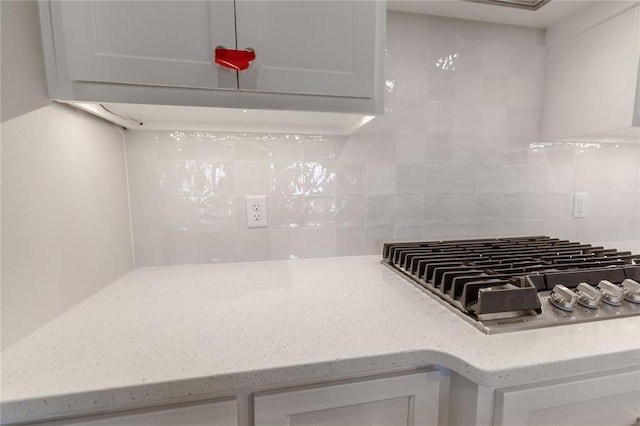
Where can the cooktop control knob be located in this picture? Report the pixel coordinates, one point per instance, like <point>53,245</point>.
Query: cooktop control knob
<point>588,296</point>
<point>631,290</point>
<point>611,293</point>
<point>563,298</point>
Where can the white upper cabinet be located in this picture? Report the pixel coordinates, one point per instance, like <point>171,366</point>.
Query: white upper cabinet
<point>591,90</point>
<point>310,55</point>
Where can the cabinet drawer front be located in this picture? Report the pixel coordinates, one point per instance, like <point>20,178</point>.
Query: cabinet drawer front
<point>410,399</point>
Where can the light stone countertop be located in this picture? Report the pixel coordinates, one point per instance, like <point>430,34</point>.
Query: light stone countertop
<point>162,333</point>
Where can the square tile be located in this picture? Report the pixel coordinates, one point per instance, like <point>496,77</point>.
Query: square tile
<point>286,211</point>
<point>352,148</point>
<point>464,148</point>
<point>251,147</point>
<point>148,249</point>
<point>381,178</point>
<point>467,87</point>
<point>214,178</point>
<point>488,179</point>
<point>488,207</point>
<point>180,178</point>
<point>319,242</point>
<point>351,211</point>
<point>514,179</point>
<point>177,145</point>
<point>285,148</point>
<point>253,245</point>
<point>182,248</point>
<point>287,178</point>
<point>438,117</point>
<point>219,247</point>
<point>217,213</point>
<point>145,215</point>
<point>319,178</point>
<point>436,209</point>
<point>512,207</point>
<point>320,148</point>
<point>380,210</point>
<point>381,147</point>
<point>141,146</point>
<point>410,148</point>
<point>287,244</point>
<point>408,233</point>
<point>350,178</point>
<point>215,146</point>
<point>462,208</point>
<point>435,232</point>
<point>437,179</point>
<point>144,178</point>
<point>351,241</point>
<point>319,212</point>
<point>438,148</point>
<point>495,89</point>
<point>410,179</point>
<point>463,179</point>
<point>377,236</point>
<point>250,178</point>
<point>180,214</point>
<point>409,209</point>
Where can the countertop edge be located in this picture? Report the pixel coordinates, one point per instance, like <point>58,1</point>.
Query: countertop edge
<point>219,386</point>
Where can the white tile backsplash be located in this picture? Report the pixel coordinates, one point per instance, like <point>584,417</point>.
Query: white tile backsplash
<point>457,154</point>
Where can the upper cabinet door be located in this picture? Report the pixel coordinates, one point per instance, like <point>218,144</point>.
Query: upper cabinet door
<point>592,81</point>
<point>156,43</point>
<point>309,47</point>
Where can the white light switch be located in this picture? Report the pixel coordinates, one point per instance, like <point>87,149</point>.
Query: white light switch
<point>579,205</point>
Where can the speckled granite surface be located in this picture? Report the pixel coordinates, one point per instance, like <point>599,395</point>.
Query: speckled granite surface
<point>162,333</point>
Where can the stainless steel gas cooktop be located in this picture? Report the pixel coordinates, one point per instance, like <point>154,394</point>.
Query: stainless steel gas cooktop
<point>509,284</point>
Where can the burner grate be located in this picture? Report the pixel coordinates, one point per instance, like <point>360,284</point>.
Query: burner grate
<point>487,280</point>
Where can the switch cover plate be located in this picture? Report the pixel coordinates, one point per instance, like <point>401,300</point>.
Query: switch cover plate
<point>579,205</point>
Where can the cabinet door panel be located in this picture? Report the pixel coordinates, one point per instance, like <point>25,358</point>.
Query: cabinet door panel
<point>610,400</point>
<point>614,410</point>
<point>157,43</point>
<point>393,411</point>
<point>223,413</point>
<point>410,399</point>
<point>309,47</point>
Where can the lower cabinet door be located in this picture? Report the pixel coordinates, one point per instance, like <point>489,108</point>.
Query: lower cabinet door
<point>410,399</point>
<point>219,413</point>
<point>612,400</point>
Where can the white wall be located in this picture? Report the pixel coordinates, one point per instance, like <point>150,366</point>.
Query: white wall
<point>457,154</point>
<point>65,219</point>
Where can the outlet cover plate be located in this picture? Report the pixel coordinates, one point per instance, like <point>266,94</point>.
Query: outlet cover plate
<point>257,211</point>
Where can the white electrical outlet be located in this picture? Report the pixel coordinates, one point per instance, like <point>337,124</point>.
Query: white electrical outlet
<point>257,211</point>
<point>579,205</point>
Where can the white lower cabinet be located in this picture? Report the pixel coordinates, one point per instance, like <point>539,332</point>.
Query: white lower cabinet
<point>218,413</point>
<point>410,399</point>
<point>610,400</point>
